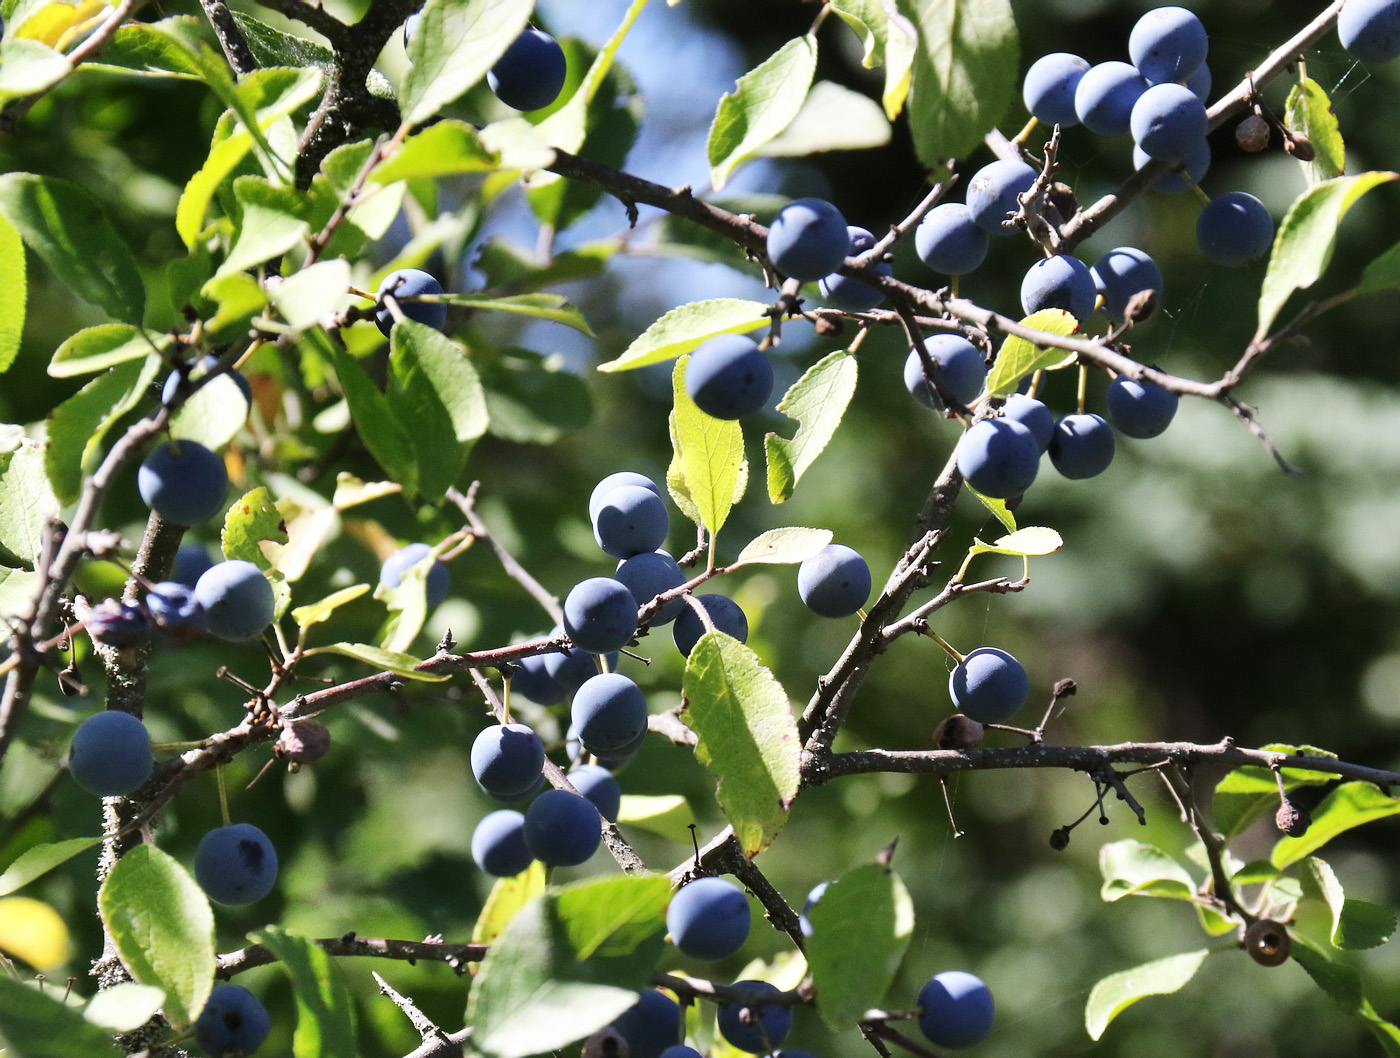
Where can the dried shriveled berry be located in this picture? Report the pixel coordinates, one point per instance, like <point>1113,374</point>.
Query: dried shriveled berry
<point>1267,942</point>
<point>1252,134</point>
<point>303,742</point>
<point>957,732</point>
<point>1059,838</point>
<point>1292,818</point>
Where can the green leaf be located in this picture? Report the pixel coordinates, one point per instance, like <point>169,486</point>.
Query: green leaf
<point>379,426</point>
<point>1303,244</point>
<point>1356,924</point>
<point>1116,992</point>
<point>124,1007</point>
<point>312,295</point>
<point>273,47</point>
<point>317,612</point>
<point>254,531</point>
<point>1349,805</point>
<point>763,103</point>
<point>78,426</point>
<point>998,508</point>
<point>964,74</point>
<point>710,455</point>
<point>106,345</point>
<point>1246,793</point>
<point>667,815</point>
<point>457,42</point>
<point>161,923</point>
<point>1309,111</point>
<point>386,660</point>
<point>38,860</point>
<point>35,1024</point>
<point>531,399</point>
<point>682,329</point>
<point>746,736</point>
<point>435,387</point>
<point>1381,274</point>
<point>901,49</point>
<point>1019,358</point>
<point>568,963</point>
<point>834,118</point>
<point>870,22</point>
<point>28,67</point>
<point>553,307</point>
<point>1132,868</point>
<point>239,297</point>
<point>505,900</point>
<point>27,501</point>
<point>275,219</point>
<point>1338,980</point>
<point>1032,540</point>
<point>860,930</point>
<point>150,49</point>
<point>445,149</point>
<point>17,588</point>
<point>783,546</point>
<point>325,1012</point>
<point>65,225</point>
<point>213,414</point>
<point>818,401</point>
<point>1386,1033</point>
<point>1255,872</point>
<point>508,265</point>
<point>13,282</point>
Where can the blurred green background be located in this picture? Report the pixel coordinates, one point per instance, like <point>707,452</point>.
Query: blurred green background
<point>1200,593</point>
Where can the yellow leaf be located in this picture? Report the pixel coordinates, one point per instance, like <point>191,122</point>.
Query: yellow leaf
<point>32,930</point>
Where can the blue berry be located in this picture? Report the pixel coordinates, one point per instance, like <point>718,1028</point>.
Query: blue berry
<point>600,615</point>
<point>993,192</point>
<point>1200,82</point>
<point>562,829</point>
<point>237,598</point>
<point>1168,122</point>
<point>729,376</point>
<point>183,482</point>
<point>764,1028</point>
<point>961,367</point>
<point>804,923</point>
<point>1105,96</point>
<point>988,685</point>
<point>708,919</point>
<point>1082,446</point>
<point>571,667</point>
<point>598,785</point>
<point>680,1050</point>
<point>614,761</point>
<point>1370,29</point>
<point>235,864</point>
<point>111,754</point>
<point>724,614</point>
<point>1059,282</point>
<point>498,844</point>
<point>404,284</point>
<point>507,759</point>
<point>206,364</point>
<point>118,624</point>
<point>835,582</point>
<point>808,239</point>
<point>1196,165</point>
<point>532,679</point>
<point>1031,414</point>
<point>612,481</point>
<point>651,1026</point>
<point>651,574</point>
<point>232,1024</point>
<point>191,560</point>
<point>1048,89</point>
<point>1123,272</point>
<point>531,73</point>
<point>1168,44</point>
<point>1234,228</point>
<point>955,1009</point>
<point>176,611</point>
<point>854,295</point>
<point>998,457</point>
<point>609,712</point>
<point>630,520</point>
<point>948,240</point>
<point>1140,409</point>
<point>438,579</point>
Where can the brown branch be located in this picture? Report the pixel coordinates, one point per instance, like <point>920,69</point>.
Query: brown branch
<point>455,955</point>
<point>336,32</point>
<point>230,35</point>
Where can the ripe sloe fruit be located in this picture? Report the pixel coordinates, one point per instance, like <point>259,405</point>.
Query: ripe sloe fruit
<point>600,615</point>
<point>531,72</point>
<point>562,829</point>
<point>404,283</point>
<point>1234,228</point>
<point>612,481</point>
<point>598,785</point>
<point>998,457</point>
<point>498,844</point>
<point>650,574</point>
<point>191,560</point>
<point>1196,165</point>
<point>235,864</point>
<point>1140,409</point>
<point>728,377</point>
<point>835,582</point>
<point>1168,44</point>
<point>854,295</point>
<point>767,1025</point>
<point>183,482</point>
<point>988,685</point>
<point>571,667</point>
<point>1168,122</point>
<point>1370,29</point>
<point>119,624</point>
<point>1059,282</point>
<point>680,1050</point>
<point>709,919</point>
<point>948,240</point>
<point>630,520</point>
<point>1123,272</point>
<point>609,712</point>
<point>724,614</point>
<point>507,759</point>
<point>532,679</point>
<point>1048,89</point>
<point>1105,96</point>
<point>1031,414</point>
<point>961,366</point>
<point>808,239</point>
<point>176,611</point>
<point>237,598</point>
<point>438,579</point>
<point>993,191</point>
<point>111,754</point>
<point>1082,446</point>
<point>651,1026</point>
<point>955,1009</point>
<point>233,1023</point>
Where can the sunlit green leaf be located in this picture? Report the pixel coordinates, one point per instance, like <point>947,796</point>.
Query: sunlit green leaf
<point>457,42</point>
<point>389,661</point>
<point>763,104</point>
<point>1019,358</point>
<point>124,1007</point>
<point>78,425</point>
<point>552,307</point>
<point>39,860</point>
<point>682,329</point>
<point>789,545</point>
<point>317,612</point>
<point>34,1023</point>
<point>443,149</point>
<point>1116,992</point>
<point>16,287</point>
<point>870,22</point>
<point>325,1010</point>
<point>1356,924</point>
<point>1308,111</point>
<point>1132,868</point>
<point>667,815</point>
<point>1350,805</point>
<point>834,118</point>
<point>818,402</point>
<point>709,453</point>
<point>27,500</point>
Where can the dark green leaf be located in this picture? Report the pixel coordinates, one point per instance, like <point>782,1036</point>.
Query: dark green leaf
<point>533,400</point>
<point>1338,980</point>
<point>106,345</point>
<point>510,267</point>
<point>163,928</point>
<point>1116,992</point>
<point>860,930</point>
<point>746,736</point>
<point>817,401</point>
<point>39,860</point>
<point>379,427</point>
<point>552,307</point>
<point>1381,274</point>
<point>273,47</point>
<point>62,223</point>
<point>763,104</point>
<point>34,1024</point>
<point>151,48</point>
<point>325,1013</point>
<point>78,426</point>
